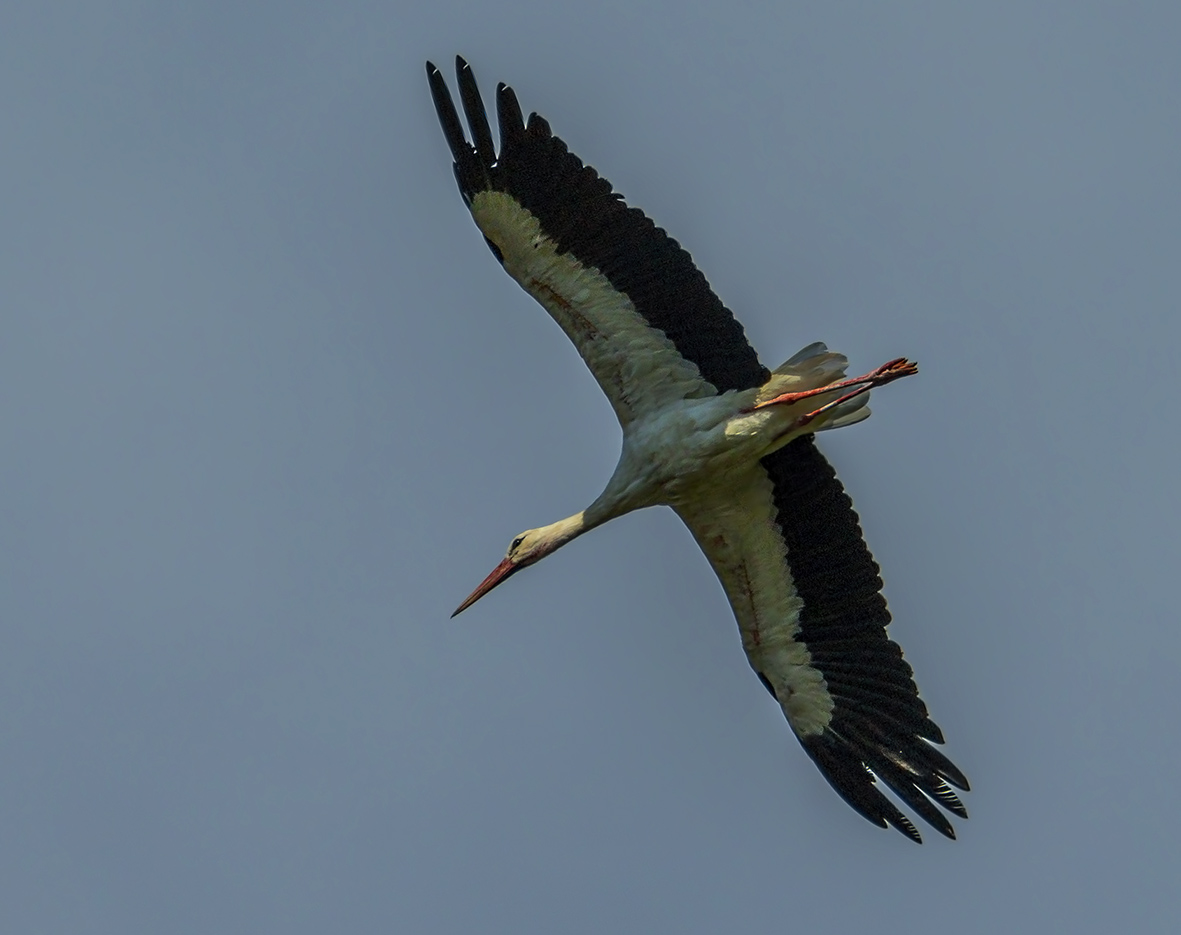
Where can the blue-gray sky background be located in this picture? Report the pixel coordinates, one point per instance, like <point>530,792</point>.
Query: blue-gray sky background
<point>269,409</point>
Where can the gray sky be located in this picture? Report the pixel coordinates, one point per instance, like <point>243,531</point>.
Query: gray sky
<point>269,410</point>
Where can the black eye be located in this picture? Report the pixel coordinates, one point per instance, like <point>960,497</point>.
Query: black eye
<point>516,543</point>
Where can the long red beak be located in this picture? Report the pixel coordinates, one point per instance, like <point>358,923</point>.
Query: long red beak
<point>500,573</point>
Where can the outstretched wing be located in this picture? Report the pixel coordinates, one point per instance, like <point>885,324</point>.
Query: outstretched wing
<point>640,313</point>
<point>788,549</point>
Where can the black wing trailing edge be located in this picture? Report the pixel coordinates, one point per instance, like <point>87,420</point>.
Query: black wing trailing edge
<point>879,722</point>
<point>579,210</point>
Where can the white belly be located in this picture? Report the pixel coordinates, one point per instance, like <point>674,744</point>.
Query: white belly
<point>669,456</point>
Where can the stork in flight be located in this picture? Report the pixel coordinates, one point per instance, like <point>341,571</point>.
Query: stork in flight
<point>728,444</point>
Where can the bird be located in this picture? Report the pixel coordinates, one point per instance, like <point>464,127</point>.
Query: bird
<point>726,443</point>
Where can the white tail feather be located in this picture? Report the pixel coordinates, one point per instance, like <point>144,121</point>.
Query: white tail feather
<point>813,366</point>
<point>857,412</point>
<point>812,350</point>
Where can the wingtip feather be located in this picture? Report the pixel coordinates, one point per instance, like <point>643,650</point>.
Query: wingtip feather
<point>473,109</point>
<point>448,116</point>
<point>510,119</point>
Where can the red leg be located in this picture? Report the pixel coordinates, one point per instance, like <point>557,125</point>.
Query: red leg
<point>805,419</point>
<point>887,373</point>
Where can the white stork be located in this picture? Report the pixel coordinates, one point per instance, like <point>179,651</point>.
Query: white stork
<point>710,432</point>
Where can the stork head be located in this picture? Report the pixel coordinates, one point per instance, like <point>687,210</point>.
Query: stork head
<point>526,549</point>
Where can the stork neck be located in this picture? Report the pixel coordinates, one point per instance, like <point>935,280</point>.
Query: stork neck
<point>574,526</point>
<point>612,502</point>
